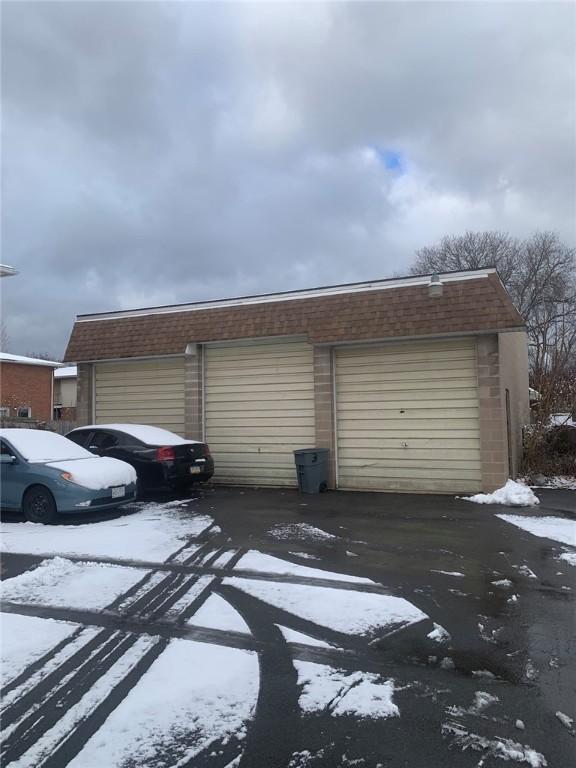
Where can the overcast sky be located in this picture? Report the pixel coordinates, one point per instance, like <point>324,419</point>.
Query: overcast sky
<point>159,153</point>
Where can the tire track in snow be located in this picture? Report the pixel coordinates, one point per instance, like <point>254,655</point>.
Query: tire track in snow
<point>76,674</point>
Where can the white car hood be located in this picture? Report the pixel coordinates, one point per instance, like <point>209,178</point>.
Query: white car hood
<point>97,473</point>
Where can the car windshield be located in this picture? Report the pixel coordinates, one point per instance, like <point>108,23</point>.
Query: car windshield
<point>38,446</point>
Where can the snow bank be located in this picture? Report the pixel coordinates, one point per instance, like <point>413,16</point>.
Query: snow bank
<point>511,495</point>
<point>555,528</point>
<point>147,434</point>
<point>97,472</point>
<point>38,446</point>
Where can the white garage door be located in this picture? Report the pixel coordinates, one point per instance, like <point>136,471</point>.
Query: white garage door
<point>141,392</point>
<point>408,417</point>
<point>259,407</point>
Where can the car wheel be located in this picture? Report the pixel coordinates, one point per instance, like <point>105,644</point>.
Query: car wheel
<point>38,505</point>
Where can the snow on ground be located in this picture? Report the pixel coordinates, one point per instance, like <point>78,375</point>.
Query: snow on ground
<point>555,528</point>
<point>193,694</point>
<point>217,613</point>
<point>72,716</point>
<point>506,583</point>
<point>449,573</point>
<point>291,636</point>
<point>569,557</point>
<point>512,495</point>
<point>153,533</point>
<point>300,531</point>
<point>61,582</point>
<point>505,749</point>
<point>257,561</point>
<point>23,639</point>
<point>345,611</point>
<point>361,694</point>
<point>68,649</point>
<point>439,634</point>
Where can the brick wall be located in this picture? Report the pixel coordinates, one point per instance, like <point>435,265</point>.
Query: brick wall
<point>27,385</point>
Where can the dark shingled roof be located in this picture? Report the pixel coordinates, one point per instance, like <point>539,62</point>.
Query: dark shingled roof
<point>472,305</point>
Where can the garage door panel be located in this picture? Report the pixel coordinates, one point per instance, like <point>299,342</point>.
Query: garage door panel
<point>141,392</point>
<point>259,387</point>
<point>396,485</point>
<point>406,473</point>
<point>408,417</point>
<point>429,454</point>
<point>449,414</point>
<point>407,366</point>
<point>259,408</point>
<point>422,385</point>
<point>407,399</point>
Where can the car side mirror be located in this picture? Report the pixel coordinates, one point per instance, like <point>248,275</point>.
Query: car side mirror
<point>6,458</point>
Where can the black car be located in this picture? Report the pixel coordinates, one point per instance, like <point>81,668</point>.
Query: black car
<point>161,458</point>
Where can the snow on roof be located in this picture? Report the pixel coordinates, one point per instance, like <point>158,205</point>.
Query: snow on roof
<point>145,433</point>
<point>36,445</point>
<point>67,372</point>
<point>8,358</point>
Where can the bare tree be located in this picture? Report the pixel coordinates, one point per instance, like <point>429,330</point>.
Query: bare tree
<point>540,275</point>
<point>42,356</point>
<point>472,250</point>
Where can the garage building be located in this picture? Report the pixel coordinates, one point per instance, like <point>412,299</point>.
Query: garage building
<point>417,384</point>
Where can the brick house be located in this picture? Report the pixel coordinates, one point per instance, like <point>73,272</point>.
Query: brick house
<point>26,386</point>
<point>416,384</point>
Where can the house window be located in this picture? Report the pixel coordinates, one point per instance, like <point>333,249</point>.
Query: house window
<point>24,412</point>
<point>4,411</point>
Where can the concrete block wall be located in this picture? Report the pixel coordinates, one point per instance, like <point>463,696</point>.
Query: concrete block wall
<point>193,393</point>
<point>493,434</point>
<point>84,394</point>
<point>324,406</point>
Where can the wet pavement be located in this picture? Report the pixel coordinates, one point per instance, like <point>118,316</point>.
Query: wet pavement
<point>487,637</point>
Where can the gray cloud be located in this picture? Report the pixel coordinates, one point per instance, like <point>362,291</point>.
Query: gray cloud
<point>163,152</point>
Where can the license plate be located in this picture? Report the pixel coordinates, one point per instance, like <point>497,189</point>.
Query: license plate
<point>118,492</point>
<point>195,470</point>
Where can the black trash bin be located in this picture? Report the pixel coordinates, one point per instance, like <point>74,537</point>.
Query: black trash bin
<point>312,469</point>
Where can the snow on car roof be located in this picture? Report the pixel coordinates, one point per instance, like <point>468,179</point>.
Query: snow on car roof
<point>39,446</point>
<point>146,433</point>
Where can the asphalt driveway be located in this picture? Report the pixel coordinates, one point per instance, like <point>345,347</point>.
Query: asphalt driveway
<point>266,629</point>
